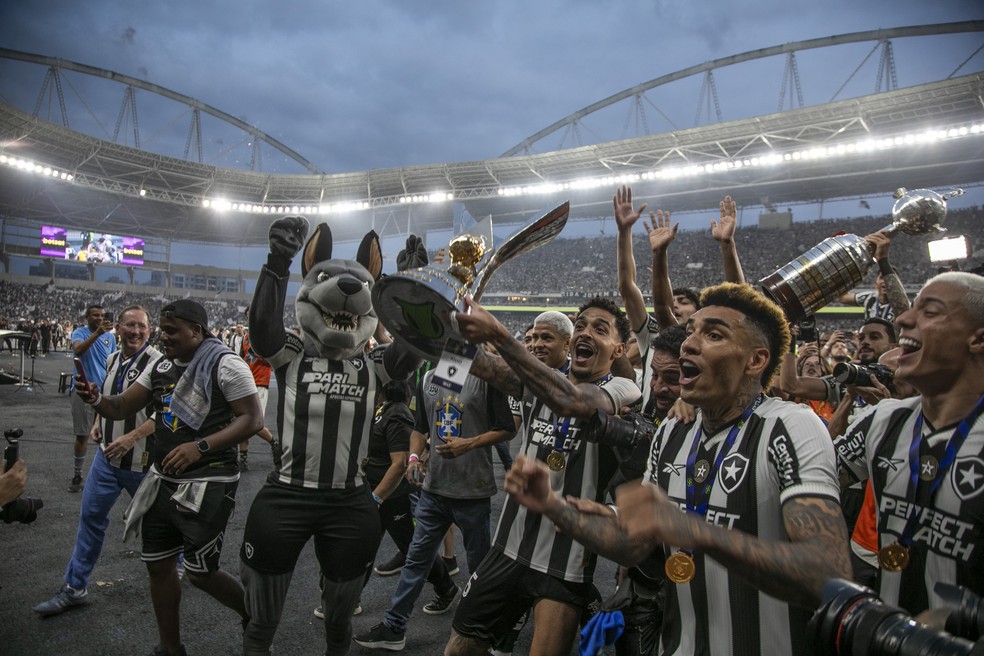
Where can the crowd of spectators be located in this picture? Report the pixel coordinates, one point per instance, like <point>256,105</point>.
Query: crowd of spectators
<point>567,270</point>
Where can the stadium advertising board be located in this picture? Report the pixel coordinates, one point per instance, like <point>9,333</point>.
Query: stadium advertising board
<point>92,247</point>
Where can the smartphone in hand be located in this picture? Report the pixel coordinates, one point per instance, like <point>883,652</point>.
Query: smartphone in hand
<point>81,372</point>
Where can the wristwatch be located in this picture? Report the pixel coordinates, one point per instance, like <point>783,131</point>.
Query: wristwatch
<point>203,447</point>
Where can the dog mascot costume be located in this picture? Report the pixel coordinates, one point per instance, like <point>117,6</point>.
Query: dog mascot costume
<point>326,387</point>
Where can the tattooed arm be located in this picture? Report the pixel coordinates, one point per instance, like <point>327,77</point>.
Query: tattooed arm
<point>517,369</point>
<point>794,571</point>
<point>592,524</point>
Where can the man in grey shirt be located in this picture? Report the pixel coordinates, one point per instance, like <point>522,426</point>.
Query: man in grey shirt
<point>458,484</point>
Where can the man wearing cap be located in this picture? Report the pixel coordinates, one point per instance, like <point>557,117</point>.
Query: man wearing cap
<point>205,404</point>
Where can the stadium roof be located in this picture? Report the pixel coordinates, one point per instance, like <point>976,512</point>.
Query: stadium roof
<point>931,135</point>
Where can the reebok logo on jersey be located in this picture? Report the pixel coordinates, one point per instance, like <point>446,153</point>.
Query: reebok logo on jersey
<point>890,463</point>
<point>335,386</point>
<point>967,477</point>
<point>672,468</point>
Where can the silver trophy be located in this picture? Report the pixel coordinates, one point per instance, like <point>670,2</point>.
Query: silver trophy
<point>415,306</point>
<point>838,264</point>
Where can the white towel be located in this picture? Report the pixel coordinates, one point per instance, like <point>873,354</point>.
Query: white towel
<point>140,504</point>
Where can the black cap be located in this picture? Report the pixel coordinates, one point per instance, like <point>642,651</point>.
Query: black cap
<point>187,310</point>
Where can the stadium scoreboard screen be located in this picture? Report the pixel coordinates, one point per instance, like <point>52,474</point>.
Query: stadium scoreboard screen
<point>98,248</point>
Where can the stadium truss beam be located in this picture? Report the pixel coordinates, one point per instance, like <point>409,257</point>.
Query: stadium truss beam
<point>123,190</point>
<point>789,49</point>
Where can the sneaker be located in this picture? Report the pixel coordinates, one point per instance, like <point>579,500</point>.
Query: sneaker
<point>243,465</point>
<point>319,612</point>
<point>382,637</point>
<point>441,603</point>
<point>161,651</point>
<point>391,566</point>
<point>67,597</point>
<point>452,565</point>
<point>76,484</point>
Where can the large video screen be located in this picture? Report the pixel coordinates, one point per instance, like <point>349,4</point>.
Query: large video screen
<point>95,247</point>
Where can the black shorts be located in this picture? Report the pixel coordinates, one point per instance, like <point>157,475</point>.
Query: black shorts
<point>501,590</point>
<point>344,524</point>
<point>169,529</point>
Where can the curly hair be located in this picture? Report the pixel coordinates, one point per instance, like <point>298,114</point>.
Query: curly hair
<point>608,305</point>
<point>767,318</point>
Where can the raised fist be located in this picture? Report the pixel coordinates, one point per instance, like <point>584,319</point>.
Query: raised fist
<point>287,236</point>
<point>413,256</point>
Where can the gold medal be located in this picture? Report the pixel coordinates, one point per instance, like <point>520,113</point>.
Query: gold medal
<point>701,470</point>
<point>680,567</point>
<point>928,467</point>
<point>555,461</point>
<point>893,557</point>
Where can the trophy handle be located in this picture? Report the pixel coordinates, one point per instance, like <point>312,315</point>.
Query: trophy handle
<point>537,234</point>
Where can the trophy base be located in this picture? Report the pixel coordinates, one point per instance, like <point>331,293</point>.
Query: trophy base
<point>416,306</point>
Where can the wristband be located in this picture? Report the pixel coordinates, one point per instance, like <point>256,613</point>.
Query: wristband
<point>792,345</point>
<point>413,458</point>
<point>99,398</point>
<point>884,267</point>
<point>377,499</point>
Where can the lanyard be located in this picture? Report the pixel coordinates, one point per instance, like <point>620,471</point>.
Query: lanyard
<point>949,456</point>
<point>729,441</point>
<point>125,368</point>
<point>560,432</point>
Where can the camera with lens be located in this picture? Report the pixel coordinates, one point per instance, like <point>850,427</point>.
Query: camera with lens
<point>853,620</point>
<point>22,509</point>
<point>619,432</point>
<point>860,374</point>
<point>808,329</point>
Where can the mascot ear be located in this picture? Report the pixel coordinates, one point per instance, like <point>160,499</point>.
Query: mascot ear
<point>370,254</point>
<point>317,249</point>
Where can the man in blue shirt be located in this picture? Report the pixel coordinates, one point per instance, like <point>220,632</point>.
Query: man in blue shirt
<point>92,343</point>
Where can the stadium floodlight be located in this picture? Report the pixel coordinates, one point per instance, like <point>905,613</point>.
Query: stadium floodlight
<point>950,249</point>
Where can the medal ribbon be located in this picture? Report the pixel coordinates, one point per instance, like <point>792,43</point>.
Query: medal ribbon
<point>122,377</point>
<point>949,456</point>
<point>708,484</point>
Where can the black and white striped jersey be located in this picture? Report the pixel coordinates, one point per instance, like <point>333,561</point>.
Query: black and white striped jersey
<point>782,451</point>
<point>324,416</point>
<point>530,538</point>
<point>948,535</point>
<point>872,307</point>
<point>645,337</point>
<point>120,374</point>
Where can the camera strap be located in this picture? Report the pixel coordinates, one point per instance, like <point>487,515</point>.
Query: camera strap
<point>949,456</point>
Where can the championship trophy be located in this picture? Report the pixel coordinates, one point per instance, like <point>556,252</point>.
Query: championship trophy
<point>415,306</point>
<point>838,264</point>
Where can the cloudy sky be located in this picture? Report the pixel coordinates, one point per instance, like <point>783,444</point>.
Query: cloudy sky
<point>361,85</point>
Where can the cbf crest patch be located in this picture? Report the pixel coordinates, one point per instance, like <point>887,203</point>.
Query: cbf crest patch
<point>167,417</point>
<point>449,419</point>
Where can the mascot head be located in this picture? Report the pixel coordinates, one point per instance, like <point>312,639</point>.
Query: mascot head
<point>334,304</point>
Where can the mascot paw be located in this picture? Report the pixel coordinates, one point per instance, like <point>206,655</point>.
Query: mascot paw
<point>413,256</point>
<point>287,236</point>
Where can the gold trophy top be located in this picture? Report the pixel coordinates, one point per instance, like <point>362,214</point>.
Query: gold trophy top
<point>466,251</point>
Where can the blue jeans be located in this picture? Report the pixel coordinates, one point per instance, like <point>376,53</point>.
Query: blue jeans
<point>102,488</point>
<point>435,515</point>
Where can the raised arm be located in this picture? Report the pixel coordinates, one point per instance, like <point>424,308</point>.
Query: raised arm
<point>897,297</point>
<point>625,217</point>
<point>723,231</point>
<point>804,387</point>
<point>661,234</point>
<point>565,398</point>
<point>592,524</point>
<point>266,325</point>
